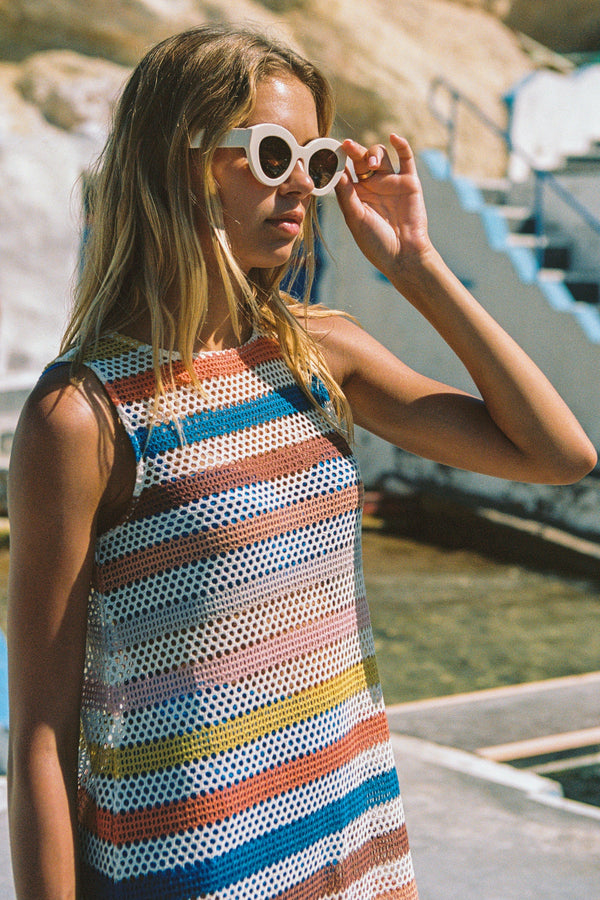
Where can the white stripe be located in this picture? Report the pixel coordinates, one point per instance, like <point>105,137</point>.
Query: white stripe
<point>314,599</point>
<point>296,868</point>
<point>222,450</point>
<point>389,876</point>
<point>270,573</point>
<point>251,759</point>
<point>212,841</point>
<point>227,508</point>
<point>211,705</point>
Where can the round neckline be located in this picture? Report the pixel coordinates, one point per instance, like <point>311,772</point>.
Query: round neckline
<point>175,354</point>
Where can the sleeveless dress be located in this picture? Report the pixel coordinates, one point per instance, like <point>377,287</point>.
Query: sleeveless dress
<point>234,743</point>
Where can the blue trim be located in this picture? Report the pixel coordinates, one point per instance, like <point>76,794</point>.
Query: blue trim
<point>558,295</point>
<point>437,163</point>
<point>523,260</point>
<point>3,682</point>
<point>210,875</point>
<point>589,319</point>
<point>213,423</point>
<point>525,264</point>
<point>495,227</point>
<point>469,195</point>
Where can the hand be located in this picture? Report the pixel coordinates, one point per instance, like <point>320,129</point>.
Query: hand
<point>386,212</point>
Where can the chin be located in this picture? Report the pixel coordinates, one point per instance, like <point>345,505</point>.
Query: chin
<point>273,261</point>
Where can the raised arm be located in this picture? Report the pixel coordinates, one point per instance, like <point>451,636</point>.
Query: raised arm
<point>520,429</point>
<point>62,482</point>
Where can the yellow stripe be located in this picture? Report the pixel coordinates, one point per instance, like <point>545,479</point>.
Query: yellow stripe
<point>121,762</point>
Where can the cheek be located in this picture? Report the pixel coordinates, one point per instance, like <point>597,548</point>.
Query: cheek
<point>239,200</point>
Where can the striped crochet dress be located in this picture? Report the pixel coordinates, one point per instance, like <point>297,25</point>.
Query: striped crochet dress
<point>234,740</point>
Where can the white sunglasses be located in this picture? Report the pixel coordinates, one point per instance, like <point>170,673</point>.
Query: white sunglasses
<point>272,153</point>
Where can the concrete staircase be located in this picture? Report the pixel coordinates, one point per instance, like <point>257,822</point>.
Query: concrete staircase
<point>564,253</point>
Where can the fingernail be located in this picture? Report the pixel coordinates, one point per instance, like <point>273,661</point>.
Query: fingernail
<point>372,162</point>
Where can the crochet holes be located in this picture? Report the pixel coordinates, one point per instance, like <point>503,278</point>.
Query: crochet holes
<point>234,743</point>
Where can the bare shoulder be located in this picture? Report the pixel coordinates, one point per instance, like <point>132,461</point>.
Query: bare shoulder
<point>339,337</point>
<point>65,439</point>
<point>63,405</point>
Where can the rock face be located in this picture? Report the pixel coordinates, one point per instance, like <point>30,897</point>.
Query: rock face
<point>119,30</point>
<point>72,92</point>
<point>54,110</point>
<point>563,25</point>
<point>65,60</point>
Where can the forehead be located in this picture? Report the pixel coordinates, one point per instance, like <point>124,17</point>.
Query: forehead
<point>285,100</point>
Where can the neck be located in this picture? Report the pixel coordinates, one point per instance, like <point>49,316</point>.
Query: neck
<point>217,332</point>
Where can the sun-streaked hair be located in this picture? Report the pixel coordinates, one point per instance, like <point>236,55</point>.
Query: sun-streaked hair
<point>143,244</point>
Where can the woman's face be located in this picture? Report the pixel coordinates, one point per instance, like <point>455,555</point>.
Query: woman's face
<point>263,222</point>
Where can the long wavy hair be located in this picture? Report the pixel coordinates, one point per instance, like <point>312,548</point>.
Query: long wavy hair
<point>143,244</point>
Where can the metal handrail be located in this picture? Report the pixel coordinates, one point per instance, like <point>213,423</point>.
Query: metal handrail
<point>542,177</point>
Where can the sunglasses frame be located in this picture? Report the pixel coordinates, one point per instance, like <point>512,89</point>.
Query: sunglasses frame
<point>249,139</point>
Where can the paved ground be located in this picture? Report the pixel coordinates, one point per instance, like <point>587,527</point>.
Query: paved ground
<point>503,715</point>
<point>476,839</point>
<point>481,830</point>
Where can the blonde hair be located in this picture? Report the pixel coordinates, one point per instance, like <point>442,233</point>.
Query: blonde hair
<point>143,245</point>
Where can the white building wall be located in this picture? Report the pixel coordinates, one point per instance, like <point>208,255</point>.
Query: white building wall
<point>561,336</point>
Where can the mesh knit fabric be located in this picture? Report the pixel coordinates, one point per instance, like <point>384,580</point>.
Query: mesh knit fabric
<point>234,740</point>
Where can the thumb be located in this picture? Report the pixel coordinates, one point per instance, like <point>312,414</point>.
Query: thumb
<point>348,200</point>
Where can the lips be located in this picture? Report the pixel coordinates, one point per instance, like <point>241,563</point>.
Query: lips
<point>289,218</point>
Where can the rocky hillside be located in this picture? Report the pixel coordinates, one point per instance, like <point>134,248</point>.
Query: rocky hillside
<point>565,25</point>
<point>63,61</point>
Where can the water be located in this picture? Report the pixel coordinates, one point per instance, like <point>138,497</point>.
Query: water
<point>449,621</point>
<point>581,784</point>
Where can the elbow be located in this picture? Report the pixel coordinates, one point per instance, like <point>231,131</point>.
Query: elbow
<point>576,465</point>
<point>587,460</point>
<point>589,463</point>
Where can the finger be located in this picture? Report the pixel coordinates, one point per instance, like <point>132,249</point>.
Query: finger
<point>374,158</point>
<point>406,157</point>
<point>348,199</point>
<point>346,189</point>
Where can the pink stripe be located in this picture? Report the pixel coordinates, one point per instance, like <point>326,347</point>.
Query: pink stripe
<point>228,668</point>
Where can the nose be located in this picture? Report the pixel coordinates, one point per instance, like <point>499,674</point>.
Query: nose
<point>298,181</point>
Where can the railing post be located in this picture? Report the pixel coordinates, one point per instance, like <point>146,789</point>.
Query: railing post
<point>539,223</point>
<point>453,129</point>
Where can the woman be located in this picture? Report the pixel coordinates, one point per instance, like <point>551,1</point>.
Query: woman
<point>185,581</point>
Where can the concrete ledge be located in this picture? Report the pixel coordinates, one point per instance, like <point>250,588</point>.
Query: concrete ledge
<point>535,787</point>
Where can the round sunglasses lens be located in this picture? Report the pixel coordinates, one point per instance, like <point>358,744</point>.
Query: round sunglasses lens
<point>274,155</point>
<point>322,167</point>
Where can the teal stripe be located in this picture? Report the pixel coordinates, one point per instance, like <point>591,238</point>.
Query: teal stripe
<point>213,423</point>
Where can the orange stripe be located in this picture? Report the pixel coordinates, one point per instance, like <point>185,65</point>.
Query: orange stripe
<point>178,551</point>
<point>250,470</point>
<point>334,879</point>
<point>197,812</point>
<point>143,385</point>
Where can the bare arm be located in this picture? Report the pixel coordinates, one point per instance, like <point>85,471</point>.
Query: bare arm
<point>62,478</point>
<point>520,429</point>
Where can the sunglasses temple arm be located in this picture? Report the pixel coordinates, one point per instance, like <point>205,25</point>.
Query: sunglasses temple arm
<point>351,169</point>
<point>237,137</point>
<point>233,138</point>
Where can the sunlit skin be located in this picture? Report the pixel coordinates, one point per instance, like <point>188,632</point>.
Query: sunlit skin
<point>518,428</point>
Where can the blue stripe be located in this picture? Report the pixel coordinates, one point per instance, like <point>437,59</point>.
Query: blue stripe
<point>215,422</point>
<point>211,875</point>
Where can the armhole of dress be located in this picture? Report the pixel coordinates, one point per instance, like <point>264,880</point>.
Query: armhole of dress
<point>140,462</point>
<point>138,450</point>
